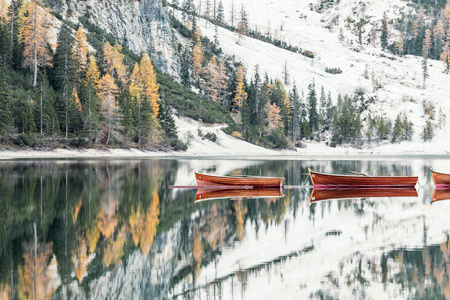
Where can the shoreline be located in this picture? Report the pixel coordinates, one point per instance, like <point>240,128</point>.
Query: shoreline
<point>312,151</point>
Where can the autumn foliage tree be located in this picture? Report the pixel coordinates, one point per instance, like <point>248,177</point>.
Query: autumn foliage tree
<point>80,53</point>
<point>107,91</point>
<point>91,99</point>
<point>35,36</point>
<point>114,61</point>
<point>149,85</point>
<point>240,93</point>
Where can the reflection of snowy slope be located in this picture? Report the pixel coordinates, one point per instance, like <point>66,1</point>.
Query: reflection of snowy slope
<point>141,276</point>
<point>326,239</point>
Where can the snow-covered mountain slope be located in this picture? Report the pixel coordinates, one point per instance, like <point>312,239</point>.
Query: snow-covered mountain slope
<point>400,78</point>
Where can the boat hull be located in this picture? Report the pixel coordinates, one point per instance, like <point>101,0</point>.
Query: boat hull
<point>441,180</point>
<point>237,194</point>
<point>440,195</point>
<point>329,181</point>
<point>329,194</point>
<point>253,181</point>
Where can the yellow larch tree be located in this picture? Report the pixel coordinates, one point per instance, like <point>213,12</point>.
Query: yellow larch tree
<point>197,59</point>
<point>77,210</point>
<point>80,53</point>
<point>197,35</point>
<point>222,81</point>
<point>210,76</point>
<point>4,11</point>
<point>76,100</point>
<point>240,93</point>
<point>92,236</point>
<point>37,278</point>
<point>150,86</point>
<point>135,225</point>
<point>150,225</point>
<point>5,291</point>
<point>80,259</point>
<point>446,16</point>
<point>135,85</point>
<point>114,61</point>
<point>197,250</point>
<point>445,58</point>
<point>399,45</point>
<point>438,35</point>
<point>273,118</point>
<point>114,250</point>
<point>34,34</point>
<point>240,212</point>
<point>107,219</point>
<point>91,106</point>
<point>107,91</point>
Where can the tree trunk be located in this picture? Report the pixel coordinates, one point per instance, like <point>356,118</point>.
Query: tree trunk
<point>35,44</point>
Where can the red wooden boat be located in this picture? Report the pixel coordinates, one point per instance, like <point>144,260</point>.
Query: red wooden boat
<point>256,182</point>
<point>328,194</point>
<point>330,181</point>
<point>441,180</point>
<point>440,194</point>
<point>208,194</point>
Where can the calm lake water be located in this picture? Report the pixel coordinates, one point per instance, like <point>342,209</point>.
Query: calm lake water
<point>111,229</point>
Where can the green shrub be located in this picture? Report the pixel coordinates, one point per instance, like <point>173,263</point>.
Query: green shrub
<point>333,70</point>
<point>211,136</point>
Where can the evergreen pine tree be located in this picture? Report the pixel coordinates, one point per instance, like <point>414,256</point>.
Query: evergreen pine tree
<point>44,109</point>
<point>75,112</point>
<point>28,124</point>
<point>329,112</point>
<point>427,133</point>
<point>285,73</point>
<point>220,13</point>
<point>168,123</point>
<point>5,113</point>
<point>294,98</point>
<point>5,45</point>
<point>63,74</point>
<point>186,67</point>
<point>397,132</point>
<point>312,108</point>
<point>322,109</point>
<point>384,32</point>
<point>425,48</point>
<point>63,65</point>
<point>216,36</point>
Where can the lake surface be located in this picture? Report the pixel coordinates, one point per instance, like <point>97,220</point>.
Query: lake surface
<point>111,229</point>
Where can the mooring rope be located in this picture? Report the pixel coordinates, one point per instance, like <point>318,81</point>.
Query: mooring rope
<point>428,179</point>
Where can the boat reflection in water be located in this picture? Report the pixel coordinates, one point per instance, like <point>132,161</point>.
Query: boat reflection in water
<point>348,193</point>
<point>237,194</point>
<point>440,194</point>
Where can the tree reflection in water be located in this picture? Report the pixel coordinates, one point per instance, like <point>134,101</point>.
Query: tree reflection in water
<point>112,229</point>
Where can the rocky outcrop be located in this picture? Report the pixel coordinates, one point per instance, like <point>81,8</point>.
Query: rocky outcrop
<point>143,26</point>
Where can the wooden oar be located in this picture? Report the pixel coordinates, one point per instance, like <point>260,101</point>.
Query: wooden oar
<point>357,173</point>
<point>290,187</point>
<point>212,187</point>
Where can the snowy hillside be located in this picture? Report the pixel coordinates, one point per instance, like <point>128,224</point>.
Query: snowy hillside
<point>400,78</point>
